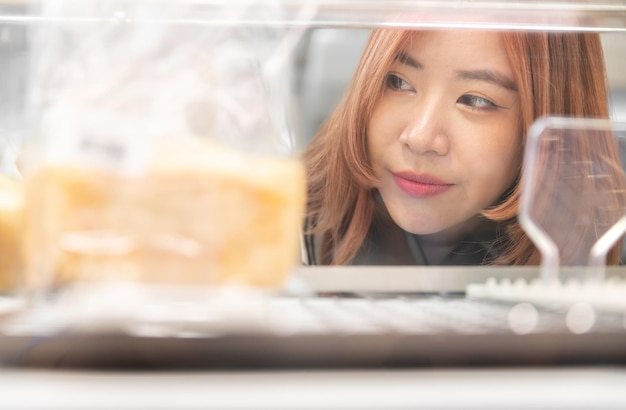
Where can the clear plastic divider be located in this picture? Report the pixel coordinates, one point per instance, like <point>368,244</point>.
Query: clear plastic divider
<point>573,198</point>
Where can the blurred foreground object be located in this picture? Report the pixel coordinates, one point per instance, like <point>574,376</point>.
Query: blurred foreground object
<point>162,153</point>
<point>201,214</point>
<point>10,231</point>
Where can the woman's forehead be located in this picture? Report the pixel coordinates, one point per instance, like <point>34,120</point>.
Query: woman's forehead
<point>456,50</point>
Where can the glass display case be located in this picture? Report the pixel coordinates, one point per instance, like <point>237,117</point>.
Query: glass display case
<point>152,195</point>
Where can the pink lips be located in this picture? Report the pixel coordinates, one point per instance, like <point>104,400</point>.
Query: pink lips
<point>420,185</point>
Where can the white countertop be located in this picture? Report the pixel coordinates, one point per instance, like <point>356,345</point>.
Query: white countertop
<point>496,388</point>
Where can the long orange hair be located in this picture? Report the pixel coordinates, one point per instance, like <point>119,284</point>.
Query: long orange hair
<point>556,73</point>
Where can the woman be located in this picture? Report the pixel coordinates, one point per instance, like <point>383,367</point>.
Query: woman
<point>420,163</point>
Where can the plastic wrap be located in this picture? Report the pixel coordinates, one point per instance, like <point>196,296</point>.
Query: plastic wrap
<point>160,150</point>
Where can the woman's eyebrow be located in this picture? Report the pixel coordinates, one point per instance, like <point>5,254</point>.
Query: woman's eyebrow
<point>489,76</point>
<point>404,58</point>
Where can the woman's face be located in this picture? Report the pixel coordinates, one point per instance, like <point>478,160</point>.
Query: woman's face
<point>444,138</point>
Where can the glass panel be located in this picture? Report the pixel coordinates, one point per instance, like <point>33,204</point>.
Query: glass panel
<point>574,193</point>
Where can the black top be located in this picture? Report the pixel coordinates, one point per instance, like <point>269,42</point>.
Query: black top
<point>388,244</point>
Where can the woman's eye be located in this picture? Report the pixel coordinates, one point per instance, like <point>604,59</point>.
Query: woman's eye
<point>477,103</point>
<point>398,84</point>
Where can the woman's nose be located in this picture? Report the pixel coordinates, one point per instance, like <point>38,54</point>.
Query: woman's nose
<point>424,129</point>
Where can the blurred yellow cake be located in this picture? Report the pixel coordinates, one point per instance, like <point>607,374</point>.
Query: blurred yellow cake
<point>200,213</point>
<point>10,231</point>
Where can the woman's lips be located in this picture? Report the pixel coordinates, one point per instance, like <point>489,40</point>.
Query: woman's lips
<point>420,185</point>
